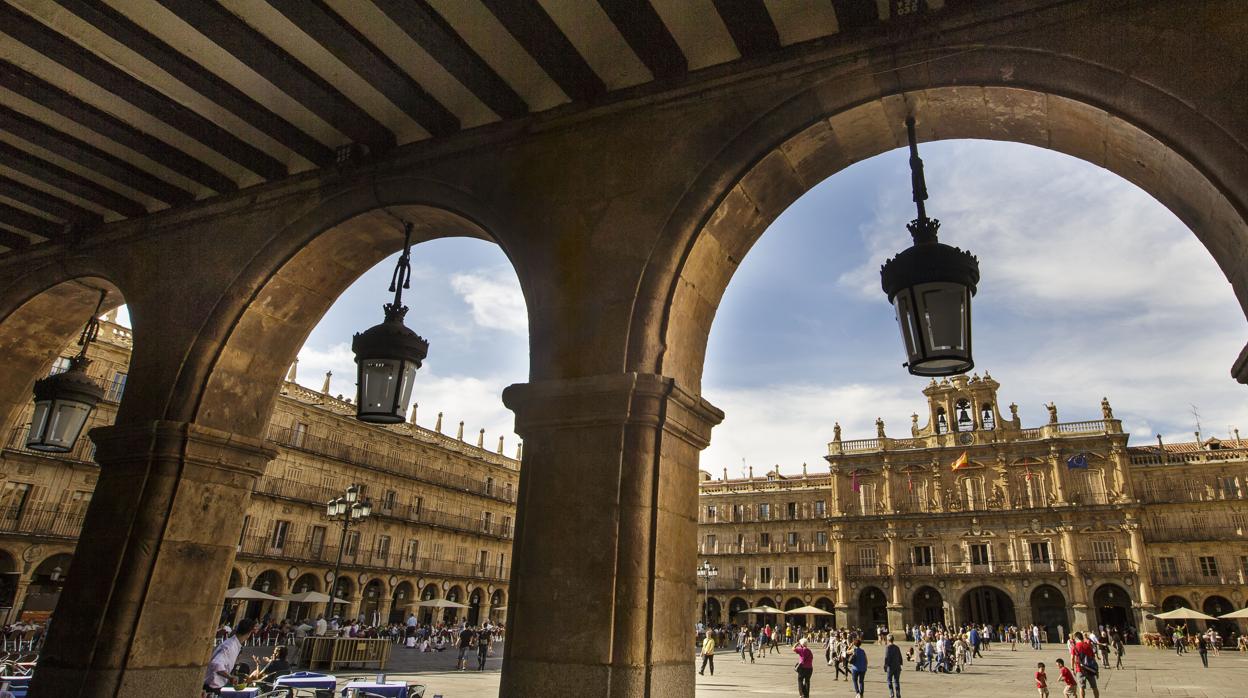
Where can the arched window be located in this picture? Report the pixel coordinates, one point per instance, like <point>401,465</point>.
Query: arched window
<point>972,492</point>
<point>986,416</point>
<point>942,421</point>
<point>962,410</point>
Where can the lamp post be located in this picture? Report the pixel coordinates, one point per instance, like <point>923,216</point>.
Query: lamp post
<point>64,401</point>
<point>706,571</point>
<point>348,509</point>
<point>930,286</point>
<point>388,355</point>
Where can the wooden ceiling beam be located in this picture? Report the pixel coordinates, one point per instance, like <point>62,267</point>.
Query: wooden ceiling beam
<point>545,42</point>
<point>750,25</point>
<point>12,240</point>
<point>648,36</point>
<point>29,222</point>
<point>61,178</point>
<point>48,203</point>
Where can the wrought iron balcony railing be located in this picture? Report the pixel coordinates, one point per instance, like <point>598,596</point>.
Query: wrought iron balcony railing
<point>308,550</point>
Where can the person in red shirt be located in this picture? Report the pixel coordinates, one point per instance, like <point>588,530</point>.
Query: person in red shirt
<point>1068,680</point>
<point>1042,680</point>
<point>1086,666</point>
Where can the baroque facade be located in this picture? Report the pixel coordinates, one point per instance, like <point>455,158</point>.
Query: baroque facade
<point>891,533</point>
<point>441,527</point>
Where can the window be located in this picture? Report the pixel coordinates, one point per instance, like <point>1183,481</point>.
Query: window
<point>489,486</point>
<point>246,525</point>
<point>867,557</point>
<point>986,416</point>
<point>764,540</point>
<point>461,553</point>
<point>962,409</point>
<point>61,365</point>
<point>117,387</point>
<point>1208,566</point>
<point>299,431</point>
<point>417,504</point>
<point>486,520</point>
<point>979,553</point>
<point>316,540</point>
<point>710,543</point>
<point>437,551</point>
<point>1168,568</point>
<point>507,492</point>
<point>942,422</point>
<point>1040,551</point>
<point>1103,550</point>
<point>710,514</point>
<point>502,563</point>
<point>277,539</point>
<point>972,493</point>
<point>795,575</point>
<point>793,538</point>
<point>866,498</point>
<point>821,574</point>
<point>76,502</point>
<point>764,575</point>
<point>505,529</point>
<point>353,544</point>
<point>14,499</point>
<point>383,548</point>
<point>821,508</point>
<point>764,512</point>
<point>821,537</point>
<point>413,549</point>
<point>921,556</point>
<point>1243,569</point>
<point>791,510</point>
<point>483,560</point>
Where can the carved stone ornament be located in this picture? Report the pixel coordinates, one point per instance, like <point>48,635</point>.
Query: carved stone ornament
<point>292,574</point>
<point>32,553</point>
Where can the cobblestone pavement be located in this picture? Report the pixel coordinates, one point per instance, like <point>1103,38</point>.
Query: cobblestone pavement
<point>1148,672</point>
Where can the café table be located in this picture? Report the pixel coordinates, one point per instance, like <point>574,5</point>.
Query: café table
<point>307,680</point>
<point>389,689</point>
<point>241,692</point>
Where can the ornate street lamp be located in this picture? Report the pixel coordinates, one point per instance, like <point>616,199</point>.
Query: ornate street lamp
<point>930,286</point>
<point>388,355</point>
<point>706,571</point>
<point>349,510</point>
<point>64,401</point>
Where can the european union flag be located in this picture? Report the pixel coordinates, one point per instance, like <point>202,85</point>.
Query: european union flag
<point>1078,460</point>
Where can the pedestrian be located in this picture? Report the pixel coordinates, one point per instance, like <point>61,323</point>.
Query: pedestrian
<point>805,667</point>
<point>708,654</point>
<point>466,638</point>
<point>1042,680</point>
<point>483,647</point>
<point>975,643</point>
<point>1068,680</point>
<point>1119,650</point>
<point>747,644</point>
<point>1202,646</point>
<point>1086,666</point>
<point>221,665</point>
<point>858,668</point>
<point>892,667</point>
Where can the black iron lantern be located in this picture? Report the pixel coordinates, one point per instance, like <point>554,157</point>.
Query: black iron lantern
<point>64,401</point>
<point>388,355</point>
<point>930,286</point>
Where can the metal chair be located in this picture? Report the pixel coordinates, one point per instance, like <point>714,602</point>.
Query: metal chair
<point>416,690</point>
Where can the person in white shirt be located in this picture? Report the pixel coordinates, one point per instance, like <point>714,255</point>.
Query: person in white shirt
<point>321,626</point>
<point>225,656</point>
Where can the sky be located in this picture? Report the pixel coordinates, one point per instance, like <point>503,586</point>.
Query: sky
<point>1089,288</point>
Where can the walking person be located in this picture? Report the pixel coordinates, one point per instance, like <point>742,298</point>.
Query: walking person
<point>1119,650</point>
<point>1067,678</point>
<point>1086,666</point>
<point>1202,646</point>
<point>708,654</point>
<point>805,667</point>
<point>747,644</point>
<point>892,668</point>
<point>1042,680</point>
<point>858,668</point>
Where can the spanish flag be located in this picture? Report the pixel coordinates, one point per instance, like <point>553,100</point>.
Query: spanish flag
<point>961,462</point>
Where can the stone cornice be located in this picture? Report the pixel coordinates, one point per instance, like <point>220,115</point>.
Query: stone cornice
<point>125,444</point>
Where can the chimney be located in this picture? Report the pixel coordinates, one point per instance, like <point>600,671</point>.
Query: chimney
<point>1160,446</point>
<point>325,385</point>
<point>520,451</point>
<point>725,474</point>
<point>803,470</point>
<point>438,426</point>
<point>1237,444</point>
<point>481,439</point>
<point>751,472</point>
<point>500,444</point>
<point>460,434</point>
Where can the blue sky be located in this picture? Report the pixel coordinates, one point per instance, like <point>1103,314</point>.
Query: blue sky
<point>1090,288</point>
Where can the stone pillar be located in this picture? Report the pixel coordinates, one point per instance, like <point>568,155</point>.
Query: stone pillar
<point>894,607</point>
<point>159,541</point>
<point>608,514</point>
<point>19,600</point>
<point>1078,590</point>
<point>886,475</point>
<point>1057,472</point>
<point>841,606</point>
<point>835,504</point>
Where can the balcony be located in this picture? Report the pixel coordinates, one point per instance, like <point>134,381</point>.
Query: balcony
<point>315,494</point>
<point>82,452</point>
<point>52,522</point>
<point>1113,565</point>
<point>876,571</point>
<point>309,551</point>
<point>1005,433</point>
<point>753,548</point>
<point>996,567</point>
<point>404,467</point>
<point>1182,534</point>
<point>1188,577</point>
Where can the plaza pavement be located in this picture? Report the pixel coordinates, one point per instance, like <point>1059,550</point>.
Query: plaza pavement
<point>1148,672</point>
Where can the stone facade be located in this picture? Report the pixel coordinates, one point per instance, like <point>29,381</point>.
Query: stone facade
<point>442,524</point>
<point>891,534</point>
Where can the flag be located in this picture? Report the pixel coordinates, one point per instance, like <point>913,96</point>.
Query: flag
<point>909,483</point>
<point>1079,460</point>
<point>961,462</point>
<point>854,483</point>
<point>1028,475</point>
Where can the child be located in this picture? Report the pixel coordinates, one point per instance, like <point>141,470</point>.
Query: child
<point>1068,680</point>
<point>1042,680</point>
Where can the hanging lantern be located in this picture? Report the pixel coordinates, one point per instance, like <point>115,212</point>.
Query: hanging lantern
<point>64,401</point>
<point>388,355</point>
<point>930,286</point>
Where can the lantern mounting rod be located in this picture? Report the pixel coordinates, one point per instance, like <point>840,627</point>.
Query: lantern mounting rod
<point>91,330</point>
<point>922,228</point>
<point>402,277</point>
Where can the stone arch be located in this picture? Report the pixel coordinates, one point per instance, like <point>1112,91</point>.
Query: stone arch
<point>476,600</point>
<point>736,605</point>
<point>1171,603</point>
<point>308,581</point>
<point>1113,607</point>
<point>1216,605</point>
<point>872,611</point>
<point>428,592</point>
<point>271,582</point>
<point>456,594</point>
<point>823,603</point>
<point>987,603</point>
<point>1061,104</point>
<point>371,600</point>
<point>498,605</point>
<point>401,599</point>
<point>343,588</point>
<point>929,606</point>
<point>1048,611</point>
<point>713,611</point>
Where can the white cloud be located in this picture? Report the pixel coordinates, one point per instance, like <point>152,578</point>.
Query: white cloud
<point>495,298</point>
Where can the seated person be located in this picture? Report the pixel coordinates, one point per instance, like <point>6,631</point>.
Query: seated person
<point>276,665</point>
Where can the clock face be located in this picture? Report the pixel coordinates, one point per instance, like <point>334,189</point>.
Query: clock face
<point>966,438</point>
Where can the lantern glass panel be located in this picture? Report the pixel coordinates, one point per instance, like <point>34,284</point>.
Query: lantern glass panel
<point>379,381</point>
<point>903,304</point>
<point>56,424</point>
<point>943,309</point>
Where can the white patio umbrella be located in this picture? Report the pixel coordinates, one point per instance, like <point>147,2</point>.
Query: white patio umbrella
<point>808,611</point>
<point>441,603</point>
<point>764,610</point>
<point>311,597</point>
<point>1184,614</point>
<point>249,594</point>
<point>1241,613</point>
